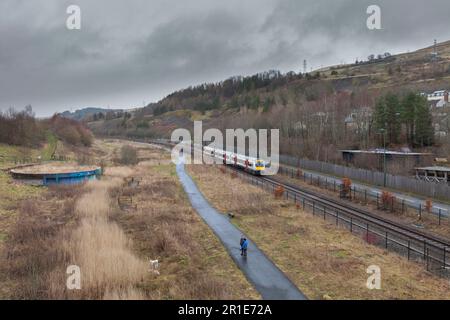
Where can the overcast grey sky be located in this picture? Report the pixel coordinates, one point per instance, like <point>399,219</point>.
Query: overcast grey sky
<point>128,52</point>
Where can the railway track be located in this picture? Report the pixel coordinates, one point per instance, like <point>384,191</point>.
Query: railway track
<point>387,223</point>
<point>432,249</point>
<point>415,244</point>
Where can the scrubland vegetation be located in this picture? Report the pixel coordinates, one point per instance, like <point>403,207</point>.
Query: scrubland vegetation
<point>31,132</point>
<point>84,226</point>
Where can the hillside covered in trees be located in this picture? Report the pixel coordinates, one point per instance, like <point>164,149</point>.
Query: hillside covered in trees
<point>21,128</point>
<point>318,113</point>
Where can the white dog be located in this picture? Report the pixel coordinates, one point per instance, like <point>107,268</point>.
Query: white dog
<point>154,266</point>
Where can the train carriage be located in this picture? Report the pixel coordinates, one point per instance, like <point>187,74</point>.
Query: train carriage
<point>253,165</point>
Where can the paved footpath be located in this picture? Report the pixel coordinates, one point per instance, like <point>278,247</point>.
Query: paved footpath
<point>265,276</point>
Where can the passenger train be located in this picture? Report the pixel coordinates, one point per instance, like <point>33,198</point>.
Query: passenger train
<point>249,164</point>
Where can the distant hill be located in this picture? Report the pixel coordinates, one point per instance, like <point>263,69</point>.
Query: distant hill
<point>84,113</point>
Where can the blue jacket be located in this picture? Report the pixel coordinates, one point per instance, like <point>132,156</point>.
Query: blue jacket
<point>244,244</point>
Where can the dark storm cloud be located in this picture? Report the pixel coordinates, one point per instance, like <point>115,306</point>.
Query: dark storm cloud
<point>135,51</point>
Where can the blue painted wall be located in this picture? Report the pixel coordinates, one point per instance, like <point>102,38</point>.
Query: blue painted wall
<point>71,178</point>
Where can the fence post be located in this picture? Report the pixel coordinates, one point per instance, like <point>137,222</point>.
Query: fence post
<point>337,217</point>
<point>392,204</point>
<point>334,185</point>
<point>365,195</point>
<point>428,259</point>
<point>403,206</point>
<point>420,211</point>
<point>444,258</point>
<point>378,206</point>
<point>313,207</point>
<point>424,249</point>
<point>439,216</point>
<point>351,225</point>
<point>367,233</point>
<point>324,213</point>
<point>409,248</point>
<point>386,240</point>
<point>303,203</point>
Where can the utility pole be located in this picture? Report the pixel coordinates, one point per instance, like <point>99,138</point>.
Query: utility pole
<point>305,66</point>
<point>383,132</point>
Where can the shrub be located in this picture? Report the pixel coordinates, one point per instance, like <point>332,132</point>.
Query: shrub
<point>128,155</point>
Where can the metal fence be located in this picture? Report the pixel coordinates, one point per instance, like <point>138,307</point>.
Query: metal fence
<point>362,195</point>
<point>29,160</point>
<point>435,258</point>
<point>428,189</point>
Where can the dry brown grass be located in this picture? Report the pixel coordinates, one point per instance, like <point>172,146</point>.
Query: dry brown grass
<point>103,252</point>
<point>194,264</point>
<point>101,249</point>
<point>244,203</point>
<point>128,293</point>
<point>82,225</point>
<point>32,249</point>
<point>324,261</point>
<point>78,232</point>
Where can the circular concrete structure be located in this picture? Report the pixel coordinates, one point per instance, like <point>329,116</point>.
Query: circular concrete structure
<point>56,173</point>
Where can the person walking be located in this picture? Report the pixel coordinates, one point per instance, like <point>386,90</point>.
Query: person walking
<point>240,244</point>
<point>244,246</point>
